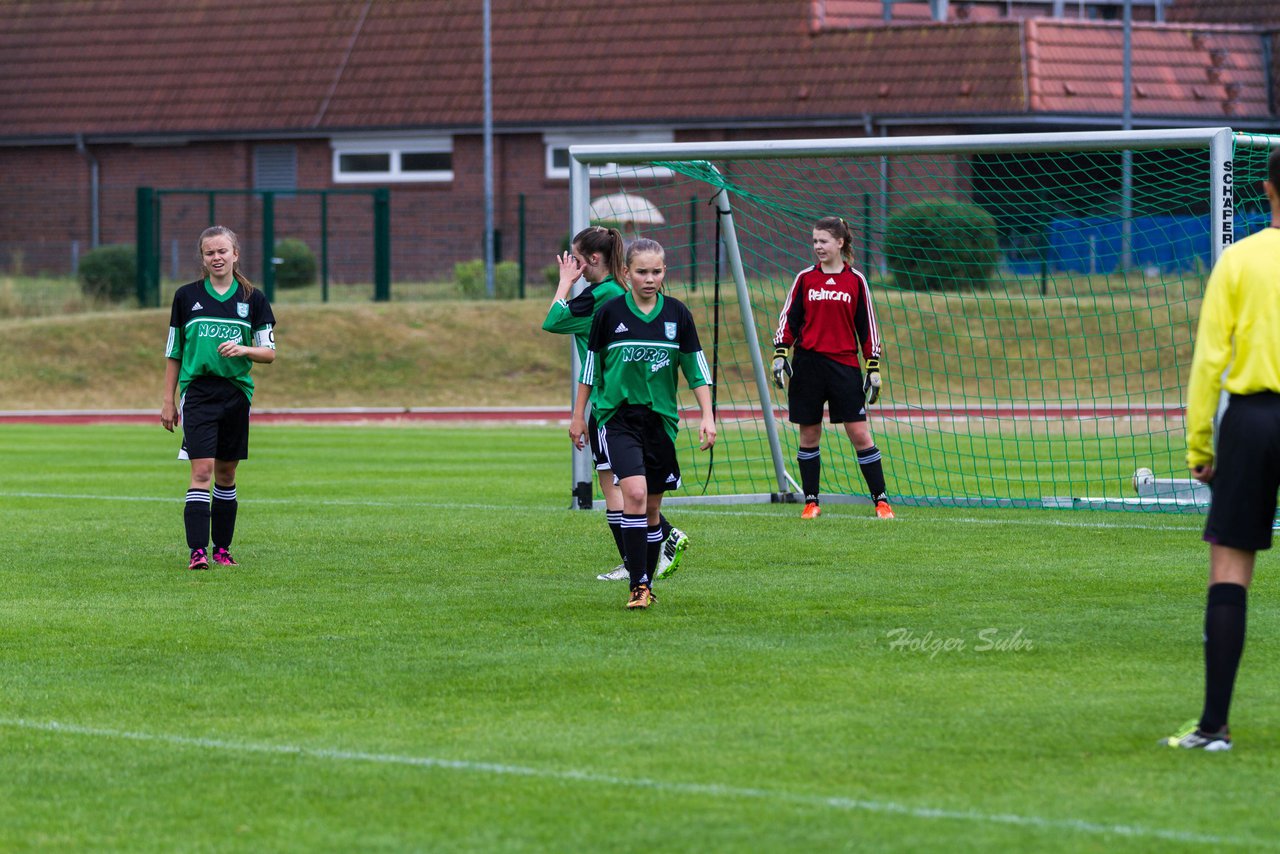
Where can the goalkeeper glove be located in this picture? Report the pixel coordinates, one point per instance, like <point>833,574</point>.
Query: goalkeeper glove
<point>781,367</point>
<point>871,386</point>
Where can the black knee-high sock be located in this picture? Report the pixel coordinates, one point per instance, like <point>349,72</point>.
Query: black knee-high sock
<point>810,462</point>
<point>195,515</point>
<point>654,548</point>
<point>222,515</point>
<point>665,525</point>
<point>635,535</point>
<point>1224,624</point>
<point>614,518</point>
<point>872,471</point>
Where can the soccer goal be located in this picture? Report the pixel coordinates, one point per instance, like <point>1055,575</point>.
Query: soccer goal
<point>1036,296</point>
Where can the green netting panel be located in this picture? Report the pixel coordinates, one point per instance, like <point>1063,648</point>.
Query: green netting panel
<point>1037,319</point>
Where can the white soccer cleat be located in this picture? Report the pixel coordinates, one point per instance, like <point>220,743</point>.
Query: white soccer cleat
<point>618,573</point>
<point>673,548</point>
<point>1190,737</point>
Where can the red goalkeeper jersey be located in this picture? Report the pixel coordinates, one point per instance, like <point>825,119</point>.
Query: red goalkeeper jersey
<point>831,314</point>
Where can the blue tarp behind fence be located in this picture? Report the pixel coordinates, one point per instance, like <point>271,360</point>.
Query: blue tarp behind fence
<point>1171,244</point>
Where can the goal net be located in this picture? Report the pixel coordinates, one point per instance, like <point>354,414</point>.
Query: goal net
<point>1036,296</point>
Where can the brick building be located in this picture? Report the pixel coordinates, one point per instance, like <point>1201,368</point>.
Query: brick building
<point>100,97</point>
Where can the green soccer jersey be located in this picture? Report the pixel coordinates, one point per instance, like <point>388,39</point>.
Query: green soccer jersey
<point>633,358</point>
<point>573,317</point>
<point>201,319</point>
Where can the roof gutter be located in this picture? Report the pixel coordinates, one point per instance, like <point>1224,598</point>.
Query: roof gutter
<point>876,121</point>
<point>95,194</point>
<point>1078,121</point>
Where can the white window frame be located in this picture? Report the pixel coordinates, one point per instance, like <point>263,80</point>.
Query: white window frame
<point>562,140</point>
<point>395,148</point>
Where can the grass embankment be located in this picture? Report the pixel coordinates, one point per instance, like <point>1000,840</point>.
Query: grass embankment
<point>1003,346</point>
<point>398,354</point>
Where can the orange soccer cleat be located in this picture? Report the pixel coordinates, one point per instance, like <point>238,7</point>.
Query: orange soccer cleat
<point>641,597</point>
<point>811,511</point>
<point>883,510</point>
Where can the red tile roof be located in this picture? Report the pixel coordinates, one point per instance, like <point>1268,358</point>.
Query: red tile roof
<point>151,67</point>
<point>1177,71</point>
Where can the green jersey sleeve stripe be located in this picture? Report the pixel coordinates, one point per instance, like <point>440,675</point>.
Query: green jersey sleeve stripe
<point>669,345</point>
<point>230,320</point>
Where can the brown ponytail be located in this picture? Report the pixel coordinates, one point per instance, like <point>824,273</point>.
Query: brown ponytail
<point>839,229</point>
<point>608,242</point>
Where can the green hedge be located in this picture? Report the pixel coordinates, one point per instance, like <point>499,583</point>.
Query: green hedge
<point>109,273</point>
<point>471,285</point>
<point>297,267</point>
<point>941,245</point>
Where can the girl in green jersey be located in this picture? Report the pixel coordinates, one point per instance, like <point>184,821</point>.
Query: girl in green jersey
<point>596,256</point>
<point>219,326</point>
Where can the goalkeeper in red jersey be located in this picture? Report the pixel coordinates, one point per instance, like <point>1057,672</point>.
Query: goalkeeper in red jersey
<point>827,322</point>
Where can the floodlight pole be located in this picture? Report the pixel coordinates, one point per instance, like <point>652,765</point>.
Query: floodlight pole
<point>488,154</point>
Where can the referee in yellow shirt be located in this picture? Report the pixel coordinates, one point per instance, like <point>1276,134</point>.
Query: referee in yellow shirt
<point>1239,333</point>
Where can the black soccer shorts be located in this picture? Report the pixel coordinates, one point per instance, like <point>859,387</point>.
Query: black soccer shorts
<point>1246,475</point>
<point>593,435</point>
<point>635,442</point>
<point>816,380</point>
<point>215,420</point>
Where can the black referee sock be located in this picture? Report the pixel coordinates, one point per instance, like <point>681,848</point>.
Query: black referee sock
<point>223,515</point>
<point>872,470</point>
<point>809,460</point>
<point>195,516</point>
<point>635,535</point>
<point>614,518</point>
<point>1224,625</point>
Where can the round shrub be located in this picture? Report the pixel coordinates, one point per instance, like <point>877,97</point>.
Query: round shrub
<point>297,264</point>
<point>471,284</point>
<point>109,273</point>
<point>941,245</point>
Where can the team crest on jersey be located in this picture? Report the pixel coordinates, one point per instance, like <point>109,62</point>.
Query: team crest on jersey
<point>670,330</point>
<point>242,309</point>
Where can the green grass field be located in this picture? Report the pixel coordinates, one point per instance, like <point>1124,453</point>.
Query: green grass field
<point>416,656</point>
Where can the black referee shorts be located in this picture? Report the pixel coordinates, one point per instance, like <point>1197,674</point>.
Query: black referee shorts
<point>817,379</point>
<point>1246,475</point>
<point>215,420</point>
<point>635,442</point>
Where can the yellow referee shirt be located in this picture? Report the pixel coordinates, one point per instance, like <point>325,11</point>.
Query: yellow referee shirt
<point>1239,332</point>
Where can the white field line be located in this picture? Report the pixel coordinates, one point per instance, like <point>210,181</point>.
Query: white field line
<point>711,790</point>
<point>685,509</point>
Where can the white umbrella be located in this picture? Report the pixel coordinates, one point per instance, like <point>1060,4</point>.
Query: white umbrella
<point>626,208</point>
